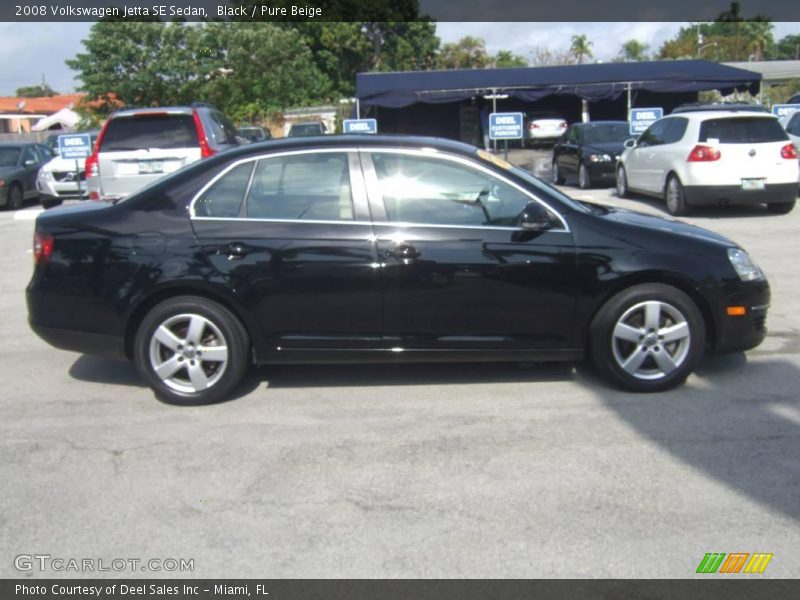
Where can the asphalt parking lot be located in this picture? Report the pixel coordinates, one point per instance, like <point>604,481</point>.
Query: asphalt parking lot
<point>408,471</point>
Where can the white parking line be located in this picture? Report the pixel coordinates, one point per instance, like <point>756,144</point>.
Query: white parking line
<point>28,214</point>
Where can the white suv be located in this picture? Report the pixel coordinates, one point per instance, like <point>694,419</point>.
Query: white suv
<point>705,156</point>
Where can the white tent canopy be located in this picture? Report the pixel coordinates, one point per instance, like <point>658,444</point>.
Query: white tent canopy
<point>66,118</point>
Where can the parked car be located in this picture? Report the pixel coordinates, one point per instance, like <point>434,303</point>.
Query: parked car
<point>254,134</point>
<point>379,248</point>
<point>794,99</point>
<point>705,157</point>
<point>136,146</point>
<point>307,129</point>
<point>589,152</point>
<point>63,178</point>
<point>19,164</point>
<point>791,124</point>
<point>543,126</point>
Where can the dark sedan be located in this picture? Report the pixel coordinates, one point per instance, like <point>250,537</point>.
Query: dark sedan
<point>588,152</point>
<point>19,166</point>
<point>370,248</point>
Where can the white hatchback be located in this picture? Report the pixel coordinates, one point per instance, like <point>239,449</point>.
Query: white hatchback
<point>714,156</point>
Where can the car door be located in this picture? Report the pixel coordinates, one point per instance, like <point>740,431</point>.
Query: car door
<point>457,271</point>
<point>569,151</point>
<point>639,165</point>
<point>290,232</point>
<point>31,163</point>
<point>669,151</point>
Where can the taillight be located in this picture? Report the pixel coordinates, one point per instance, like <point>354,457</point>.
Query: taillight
<point>42,247</point>
<point>563,125</point>
<point>533,126</point>
<point>702,153</point>
<point>92,165</point>
<point>205,149</point>
<point>789,151</point>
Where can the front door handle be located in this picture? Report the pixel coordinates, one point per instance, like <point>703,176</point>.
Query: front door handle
<point>405,252</point>
<point>235,250</point>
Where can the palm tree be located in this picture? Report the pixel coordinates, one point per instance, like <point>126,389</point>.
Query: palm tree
<point>580,48</point>
<point>633,51</point>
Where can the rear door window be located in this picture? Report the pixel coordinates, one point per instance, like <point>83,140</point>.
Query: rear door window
<point>676,127</point>
<point>654,135</point>
<point>313,186</point>
<point>150,131</point>
<point>742,130</point>
<point>222,130</point>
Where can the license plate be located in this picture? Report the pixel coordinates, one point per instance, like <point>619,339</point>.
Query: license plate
<point>753,184</point>
<point>147,167</point>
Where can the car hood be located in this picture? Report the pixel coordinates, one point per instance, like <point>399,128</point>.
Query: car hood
<point>606,147</point>
<point>63,164</point>
<point>653,222</point>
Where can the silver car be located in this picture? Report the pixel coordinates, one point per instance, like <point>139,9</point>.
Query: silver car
<point>137,146</point>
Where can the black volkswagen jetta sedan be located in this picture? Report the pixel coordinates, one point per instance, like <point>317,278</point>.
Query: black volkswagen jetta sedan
<point>366,249</point>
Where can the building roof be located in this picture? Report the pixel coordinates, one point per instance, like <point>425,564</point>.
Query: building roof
<point>45,105</point>
<point>771,70</point>
<point>590,82</point>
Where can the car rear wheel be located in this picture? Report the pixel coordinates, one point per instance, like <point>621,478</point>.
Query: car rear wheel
<point>557,176</point>
<point>15,197</point>
<point>675,197</point>
<point>584,179</point>
<point>622,182</point>
<point>648,338</point>
<point>191,351</point>
<point>781,208</point>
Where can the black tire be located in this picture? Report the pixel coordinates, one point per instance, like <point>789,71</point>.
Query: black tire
<point>622,183</point>
<point>781,208</point>
<point>584,178</point>
<point>642,356</point>
<point>557,177</point>
<point>215,329</point>
<point>15,197</point>
<point>50,202</point>
<point>675,197</point>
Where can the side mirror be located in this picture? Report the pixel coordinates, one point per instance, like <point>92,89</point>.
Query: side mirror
<point>536,218</point>
<point>30,162</point>
<point>630,143</point>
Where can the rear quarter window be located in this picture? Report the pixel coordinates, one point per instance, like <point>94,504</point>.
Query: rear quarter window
<point>742,130</point>
<point>150,131</point>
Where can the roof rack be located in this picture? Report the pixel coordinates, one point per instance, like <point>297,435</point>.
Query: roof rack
<point>732,106</point>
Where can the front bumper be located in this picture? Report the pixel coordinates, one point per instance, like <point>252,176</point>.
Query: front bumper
<point>61,189</point>
<point>697,195</point>
<point>739,333</point>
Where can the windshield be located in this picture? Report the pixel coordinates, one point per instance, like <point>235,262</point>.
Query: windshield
<point>9,157</point>
<point>605,133</point>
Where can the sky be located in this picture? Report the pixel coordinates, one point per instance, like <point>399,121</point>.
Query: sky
<point>35,50</point>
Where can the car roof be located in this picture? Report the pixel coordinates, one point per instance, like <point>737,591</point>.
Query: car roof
<point>176,110</point>
<point>720,114</point>
<point>590,123</point>
<point>18,144</point>
<point>349,140</point>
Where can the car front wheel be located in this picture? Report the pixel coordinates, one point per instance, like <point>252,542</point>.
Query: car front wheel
<point>622,182</point>
<point>191,351</point>
<point>648,338</point>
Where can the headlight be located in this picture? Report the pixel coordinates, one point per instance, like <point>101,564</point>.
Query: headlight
<point>744,265</point>
<point>46,175</point>
<point>599,158</point>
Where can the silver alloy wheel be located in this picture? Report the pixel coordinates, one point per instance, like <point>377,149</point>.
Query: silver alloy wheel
<point>188,353</point>
<point>673,195</point>
<point>583,178</point>
<point>622,182</point>
<point>555,172</point>
<point>651,340</point>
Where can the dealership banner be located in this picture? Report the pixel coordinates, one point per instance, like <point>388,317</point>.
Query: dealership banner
<point>341,10</point>
<point>375,589</point>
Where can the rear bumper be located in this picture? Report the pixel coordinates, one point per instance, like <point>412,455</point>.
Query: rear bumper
<point>733,194</point>
<point>81,341</point>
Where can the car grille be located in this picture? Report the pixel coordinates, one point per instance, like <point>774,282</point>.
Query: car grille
<point>67,176</point>
<point>760,322</point>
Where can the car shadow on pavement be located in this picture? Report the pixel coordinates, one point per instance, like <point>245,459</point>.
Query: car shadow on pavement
<point>299,376</point>
<point>715,212</point>
<point>736,421</point>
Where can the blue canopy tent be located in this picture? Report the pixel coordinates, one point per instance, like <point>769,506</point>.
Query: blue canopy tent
<point>408,96</point>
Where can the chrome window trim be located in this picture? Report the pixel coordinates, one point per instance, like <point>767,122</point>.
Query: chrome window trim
<point>295,221</point>
<point>469,163</point>
<point>233,165</point>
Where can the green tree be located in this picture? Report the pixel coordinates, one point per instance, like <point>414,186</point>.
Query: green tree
<point>468,53</point>
<point>40,90</point>
<point>506,59</point>
<point>786,48</point>
<point>581,48</point>
<point>633,51</point>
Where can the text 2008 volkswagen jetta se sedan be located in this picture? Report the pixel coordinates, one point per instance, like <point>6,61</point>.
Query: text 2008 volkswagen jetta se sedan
<point>361,249</point>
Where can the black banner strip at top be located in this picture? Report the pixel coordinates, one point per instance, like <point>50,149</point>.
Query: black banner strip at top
<point>391,10</point>
<point>711,588</point>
